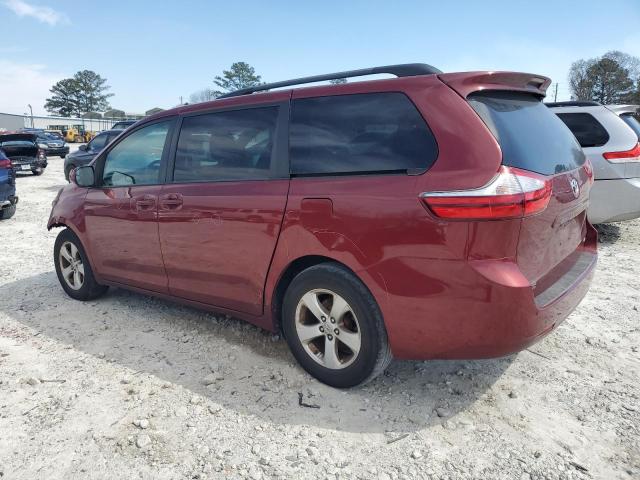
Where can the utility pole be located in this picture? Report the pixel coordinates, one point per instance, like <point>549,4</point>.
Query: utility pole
<point>31,110</point>
<point>555,96</point>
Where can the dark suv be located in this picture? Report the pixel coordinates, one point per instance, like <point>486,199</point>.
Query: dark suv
<point>86,153</point>
<point>427,216</point>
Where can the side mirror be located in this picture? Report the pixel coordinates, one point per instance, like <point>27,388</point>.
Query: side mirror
<point>83,148</point>
<point>84,176</point>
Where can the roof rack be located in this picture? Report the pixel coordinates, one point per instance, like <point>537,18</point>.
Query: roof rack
<point>573,103</point>
<point>401,70</point>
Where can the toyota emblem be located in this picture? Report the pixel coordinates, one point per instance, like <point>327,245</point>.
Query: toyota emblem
<point>575,187</point>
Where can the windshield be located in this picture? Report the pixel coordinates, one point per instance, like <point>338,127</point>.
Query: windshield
<point>530,135</point>
<point>633,122</point>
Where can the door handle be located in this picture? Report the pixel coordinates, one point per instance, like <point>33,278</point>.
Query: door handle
<point>171,201</point>
<point>145,202</point>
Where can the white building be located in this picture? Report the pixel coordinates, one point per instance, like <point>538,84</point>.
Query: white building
<point>9,121</point>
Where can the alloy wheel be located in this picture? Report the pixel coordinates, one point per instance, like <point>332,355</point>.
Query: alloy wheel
<point>71,265</point>
<point>328,329</point>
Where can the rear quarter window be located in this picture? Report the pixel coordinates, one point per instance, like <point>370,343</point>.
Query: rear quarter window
<point>531,136</point>
<point>633,122</point>
<point>585,127</point>
<point>359,134</point>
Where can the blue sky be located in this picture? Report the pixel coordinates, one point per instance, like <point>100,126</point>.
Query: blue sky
<point>154,52</point>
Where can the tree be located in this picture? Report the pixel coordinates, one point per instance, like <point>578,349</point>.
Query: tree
<point>91,91</point>
<point>63,100</point>
<point>240,75</point>
<point>203,95</point>
<point>84,92</point>
<point>580,83</point>
<point>607,79</point>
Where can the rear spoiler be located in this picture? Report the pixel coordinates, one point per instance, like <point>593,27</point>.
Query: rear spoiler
<point>469,82</point>
<point>622,109</point>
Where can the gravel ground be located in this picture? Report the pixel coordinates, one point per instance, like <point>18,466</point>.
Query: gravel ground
<point>134,387</point>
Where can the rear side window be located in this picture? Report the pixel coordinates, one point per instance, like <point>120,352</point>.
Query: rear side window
<point>362,133</point>
<point>234,145</point>
<point>530,135</point>
<point>588,130</point>
<point>633,122</point>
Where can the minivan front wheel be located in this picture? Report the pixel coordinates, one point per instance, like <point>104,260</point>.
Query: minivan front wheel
<point>334,326</point>
<point>73,269</point>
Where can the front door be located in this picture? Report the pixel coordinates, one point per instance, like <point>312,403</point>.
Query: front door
<point>121,214</point>
<point>220,218</point>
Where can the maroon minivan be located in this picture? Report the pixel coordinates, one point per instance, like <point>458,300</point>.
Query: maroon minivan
<point>426,216</point>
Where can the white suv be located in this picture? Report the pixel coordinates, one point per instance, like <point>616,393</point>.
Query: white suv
<point>609,136</point>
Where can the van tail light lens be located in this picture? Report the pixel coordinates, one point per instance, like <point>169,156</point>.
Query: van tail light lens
<point>632,155</point>
<point>512,193</point>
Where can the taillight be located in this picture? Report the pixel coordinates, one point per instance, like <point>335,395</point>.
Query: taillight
<point>632,155</point>
<point>41,154</point>
<point>512,193</point>
<point>5,163</point>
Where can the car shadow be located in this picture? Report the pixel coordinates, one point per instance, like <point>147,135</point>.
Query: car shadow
<point>608,232</point>
<point>242,367</point>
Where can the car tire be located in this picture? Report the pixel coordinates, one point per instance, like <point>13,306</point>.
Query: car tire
<point>7,213</point>
<point>37,171</point>
<point>73,268</point>
<point>62,156</point>
<point>67,171</point>
<point>345,307</point>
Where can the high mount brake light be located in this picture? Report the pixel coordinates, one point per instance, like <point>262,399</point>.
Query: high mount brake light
<point>512,193</point>
<point>632,155</point>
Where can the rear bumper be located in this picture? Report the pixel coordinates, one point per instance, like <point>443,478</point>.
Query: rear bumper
<point>493,310</point>
<point>614,200</point>
<point>32,164</point>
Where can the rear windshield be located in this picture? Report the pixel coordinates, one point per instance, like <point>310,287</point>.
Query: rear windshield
<point>530,135</point>
<point>633,122</point>
<point>17,143</point>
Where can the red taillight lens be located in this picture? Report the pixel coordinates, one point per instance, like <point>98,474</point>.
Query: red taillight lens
<point>41,154</point>
<point>512,193</point>
<point>5,163</point>
<point>632,155</point>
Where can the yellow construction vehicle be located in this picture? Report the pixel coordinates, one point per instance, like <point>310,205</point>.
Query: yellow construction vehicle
<point>77,134</point>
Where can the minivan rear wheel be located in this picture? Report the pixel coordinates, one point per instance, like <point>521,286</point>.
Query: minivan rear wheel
<point>73,268</point>
<point>334,326</point>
